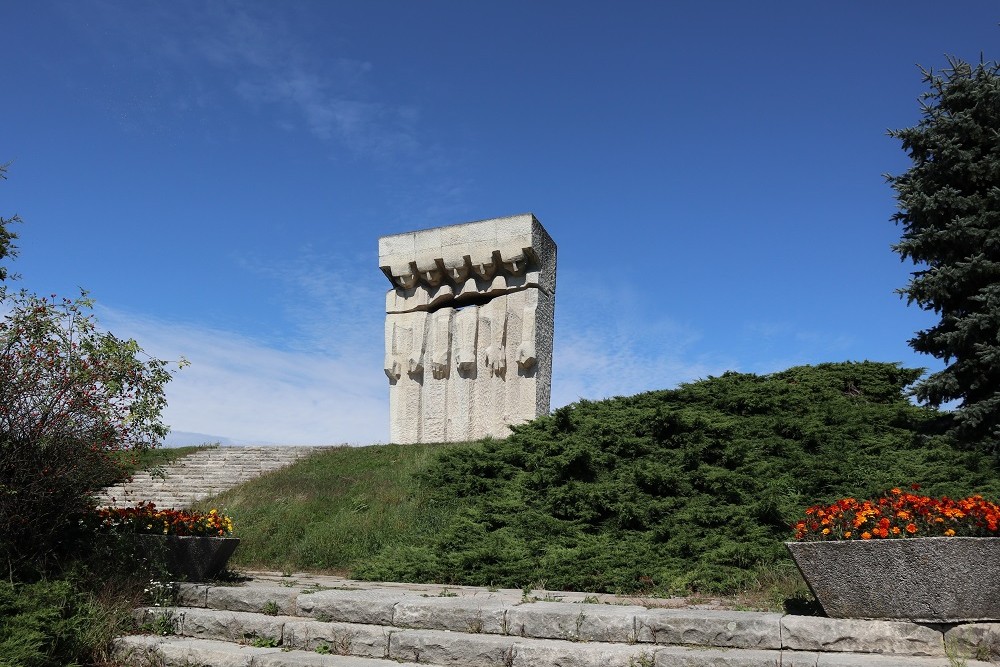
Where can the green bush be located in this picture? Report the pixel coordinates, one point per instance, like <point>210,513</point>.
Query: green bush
<point>686,489</point>
<point>55,624</point>
<point>71,397</point>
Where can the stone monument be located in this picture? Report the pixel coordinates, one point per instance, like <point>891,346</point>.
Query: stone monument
<point>468,328</point>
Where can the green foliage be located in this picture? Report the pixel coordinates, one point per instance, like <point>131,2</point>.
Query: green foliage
<point>70,397</point>
<point>7,236</point>
<point>667,491</point>
<point>54,624</point>
<point>949,208</point>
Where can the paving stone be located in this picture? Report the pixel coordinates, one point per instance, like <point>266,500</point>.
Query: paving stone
<point>677,656</point>
<point>535,652</point>
<point>811,633</point>
<point>240,598</point>
<point>459,614</point>
<point>975,640</point>
<point>350,606</point>
<point>729,629</point>
<point>878,660</point>
<point>187,651</point>
<point>340,638</point>
<point>302,659</point>
<point>192,595</point>
<point>224,625</point>
<point>574,622</point>
<point>440,647</point>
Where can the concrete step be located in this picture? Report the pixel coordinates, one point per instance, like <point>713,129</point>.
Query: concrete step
<point>201,475</point>
<point>468,627</point>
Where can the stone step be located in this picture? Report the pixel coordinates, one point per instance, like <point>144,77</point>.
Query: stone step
<point>468,627</point>
<point>200,475</point>
<point>344,645</point>
<point>145,650</point>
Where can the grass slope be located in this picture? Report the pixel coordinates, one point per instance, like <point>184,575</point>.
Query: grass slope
<point>334,509</point>
<point>691,489</point>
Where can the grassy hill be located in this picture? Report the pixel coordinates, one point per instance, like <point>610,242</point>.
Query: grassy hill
<point>691,489</point>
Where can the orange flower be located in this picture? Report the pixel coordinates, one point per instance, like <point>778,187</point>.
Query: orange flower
<point>911,528</point>
<point>866,535</point>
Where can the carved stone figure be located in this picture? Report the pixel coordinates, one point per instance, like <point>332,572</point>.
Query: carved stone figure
<point>468,328</point>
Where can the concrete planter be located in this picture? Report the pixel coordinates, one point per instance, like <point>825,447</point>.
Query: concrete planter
<point>190,557</point>
<point>928,579</point>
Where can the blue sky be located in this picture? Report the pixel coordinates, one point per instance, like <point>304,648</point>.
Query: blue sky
<point>217,175</point>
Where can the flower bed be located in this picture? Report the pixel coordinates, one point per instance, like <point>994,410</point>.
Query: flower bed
<point>900,515</point>
<point>146,518</point>
<point>903,557</point>
<point>182,543</point>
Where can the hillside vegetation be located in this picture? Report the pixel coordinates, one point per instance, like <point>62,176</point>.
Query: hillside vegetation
<point>691,489</point>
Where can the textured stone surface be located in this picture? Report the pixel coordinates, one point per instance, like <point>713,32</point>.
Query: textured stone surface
<point>450,648</point>
<point>468,329</point>
<point>673,656</point>
<point>472,615</point>
<point>574,622</point>
<point>225,625</point>
<point>535,652</point>
<point>192,595</point>
<point>872,660</point>
<point>138,652</point>
<point>371,607</point>
<point>340,638</point>
<point>736,629</point>
<point>261,600</point>
<point>466,626</point>
<point>975,640</point>
<point>931,579</point>
<point>810,633</point>
<point>189,557</point>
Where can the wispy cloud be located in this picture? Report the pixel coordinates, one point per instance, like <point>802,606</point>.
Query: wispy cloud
<point>248,391</point>
<point>609,344</point>
<point>192,54</point>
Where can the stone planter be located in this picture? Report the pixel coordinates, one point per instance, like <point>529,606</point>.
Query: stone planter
<point>928,579</point>
<point>189,557</point>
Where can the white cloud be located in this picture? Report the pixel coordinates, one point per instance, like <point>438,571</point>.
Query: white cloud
<point>246,391</point>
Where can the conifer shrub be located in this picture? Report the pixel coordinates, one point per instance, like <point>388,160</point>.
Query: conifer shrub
<point>678,490</point>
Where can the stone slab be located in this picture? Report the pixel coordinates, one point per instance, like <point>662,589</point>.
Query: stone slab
<point>538,652</point>
<point>441,647</point>
<point>811,633</point>
<point>927,579</point>
<point>729,629</point>
<point>138,651</point>
<point>469,614</point>
<point>874,660</point>
<point>371,641</point>
<point>261,600</point>
<point>350,606</point>
<point>675,656</point>
<point>975,640</point>
<point>192,595</point>
<point>574,621</point>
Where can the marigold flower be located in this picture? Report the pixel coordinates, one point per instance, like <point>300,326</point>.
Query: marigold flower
<point>899,514</point>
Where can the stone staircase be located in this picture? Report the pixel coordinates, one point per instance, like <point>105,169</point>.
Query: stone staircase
<point>275,621</point>
<point>200,475</point>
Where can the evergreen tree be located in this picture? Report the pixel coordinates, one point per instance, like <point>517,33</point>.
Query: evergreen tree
<point>949,208</point>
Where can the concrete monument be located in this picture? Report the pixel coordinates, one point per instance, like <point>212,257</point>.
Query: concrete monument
<point>468,328</point>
